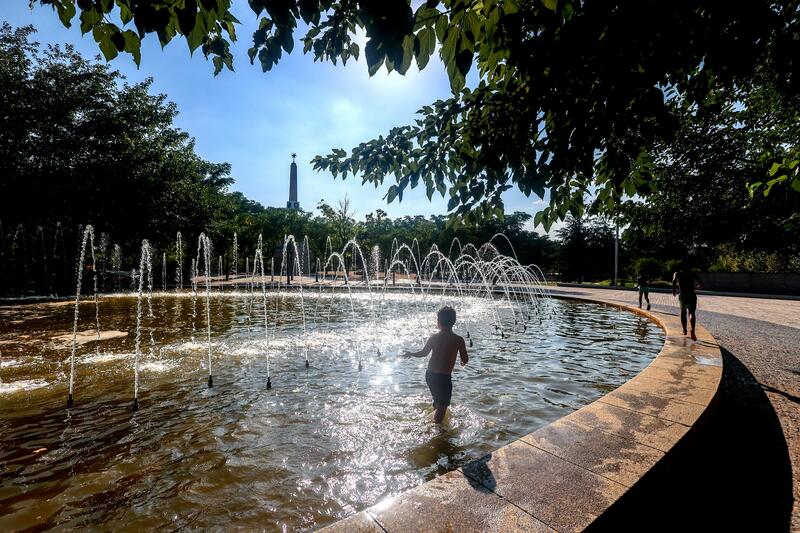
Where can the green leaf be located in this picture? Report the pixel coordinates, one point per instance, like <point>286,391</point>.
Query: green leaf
<point>108,48</point>
<point>441,27</point>
<point>473,24</point>
<point>287,40</point>
<point>427,43</point>
<point>374,56</point>
<point>512,6</point>
<point>133,45</point>
<point>117,38</point>
<point>125,14</point>
<point>187,16</point>
<point>771,183</point>
<point>463,62</point>
<point>630,188</point>
<point>448,50</point>
<point>408,54</point>
<point>197,35</point>
<point>88,20</point>
<point>257,6</point>
<point>66,11</point>
<point>265,59</point>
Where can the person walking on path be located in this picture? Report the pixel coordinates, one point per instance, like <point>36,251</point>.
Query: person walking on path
<point>643,284</point>
<point>687,281</point>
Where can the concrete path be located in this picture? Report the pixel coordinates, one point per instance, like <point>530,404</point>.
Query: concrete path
<point>755,433</point>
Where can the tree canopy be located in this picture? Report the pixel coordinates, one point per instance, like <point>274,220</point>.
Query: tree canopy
<point>83,146</point>
<point>702,206</point>
<point>571,96</point>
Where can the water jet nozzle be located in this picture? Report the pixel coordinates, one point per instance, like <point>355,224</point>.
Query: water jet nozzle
<point>269,383</point>
<point>525,327</point>
<point>379,352</point>
<point>470,343</point>
<point>210,381</point>
<point>468,334</point>
<point>306,363</point>
<point>135,406</point>
<point>360,366</point>
<point>70,403</point>
<point>502,334</point>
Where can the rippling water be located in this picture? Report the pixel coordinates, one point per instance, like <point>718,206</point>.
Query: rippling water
<point>323,443</point>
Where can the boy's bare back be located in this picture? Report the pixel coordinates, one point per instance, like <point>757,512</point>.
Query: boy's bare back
<point>445,346</point>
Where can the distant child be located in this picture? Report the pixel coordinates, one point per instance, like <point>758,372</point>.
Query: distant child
<point>445,346</point>
<point>644,289</point>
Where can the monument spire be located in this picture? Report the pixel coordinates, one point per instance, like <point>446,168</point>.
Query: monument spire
<point>293,203</point>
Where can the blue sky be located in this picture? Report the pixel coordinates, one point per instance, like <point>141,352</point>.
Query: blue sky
<point>255,120</point>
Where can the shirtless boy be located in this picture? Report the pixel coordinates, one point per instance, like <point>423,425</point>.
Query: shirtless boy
<point>445,345</point>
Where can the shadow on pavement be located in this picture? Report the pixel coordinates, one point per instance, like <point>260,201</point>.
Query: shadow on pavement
<point>732,472</point>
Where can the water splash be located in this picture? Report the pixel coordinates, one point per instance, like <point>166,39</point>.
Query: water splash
<point>179,258</point>
<point>235,256</point>
<point>204,251</point>
<point>88,235</point>
<point>145,265</point>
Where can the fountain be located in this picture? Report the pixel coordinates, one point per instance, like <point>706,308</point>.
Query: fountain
<point>145,265</point>
<point>15,255</point>
<point>116,263</point>
<point>362,307</point>
<point>88,234</point>
<point>204,249</point>
<point>235,256</point>
<point>514,294</point>
<point>179,258</point>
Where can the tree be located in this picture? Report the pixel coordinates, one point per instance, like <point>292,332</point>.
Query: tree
<point>571,94</point>
<point>86,148</point>
<point>701,201</point>
<point>587,249</point>
<point>339,219</point>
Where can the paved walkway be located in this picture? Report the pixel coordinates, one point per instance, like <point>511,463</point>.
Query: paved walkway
<point>757,430</point>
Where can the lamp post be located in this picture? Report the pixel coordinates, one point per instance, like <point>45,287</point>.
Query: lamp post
<point>616,252</point>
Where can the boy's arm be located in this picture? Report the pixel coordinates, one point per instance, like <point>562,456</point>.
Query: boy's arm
<point>423,352</point>
<point>462,350</point>
<point>674,283</point>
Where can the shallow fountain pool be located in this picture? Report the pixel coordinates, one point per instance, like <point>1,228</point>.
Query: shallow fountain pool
<point>323,443</point>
